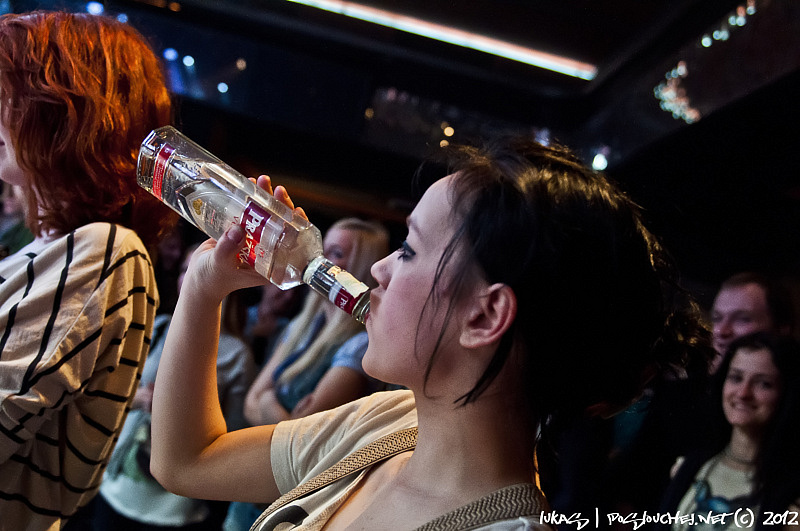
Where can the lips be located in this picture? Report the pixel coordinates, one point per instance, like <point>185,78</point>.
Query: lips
<point>741,406</point>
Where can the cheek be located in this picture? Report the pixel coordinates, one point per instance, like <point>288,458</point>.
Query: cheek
<point>399,341</point>
<point>769,400</point>
<point>728,391</point>
<point>11,173</point>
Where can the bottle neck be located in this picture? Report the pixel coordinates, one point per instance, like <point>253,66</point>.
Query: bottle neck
<point>338,286</point>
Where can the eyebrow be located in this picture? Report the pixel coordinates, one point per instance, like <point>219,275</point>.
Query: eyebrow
<point>754,374</point>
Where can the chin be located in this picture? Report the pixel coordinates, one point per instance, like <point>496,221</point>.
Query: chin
<point>746,423</point>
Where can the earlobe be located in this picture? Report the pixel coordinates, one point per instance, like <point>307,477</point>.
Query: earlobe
<point>490,316</point>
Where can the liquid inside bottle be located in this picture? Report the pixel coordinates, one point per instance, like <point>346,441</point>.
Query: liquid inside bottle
<point>280,245</point>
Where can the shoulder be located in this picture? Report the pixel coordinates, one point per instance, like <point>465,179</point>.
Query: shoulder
<point>304,447</point>
<point>80,262</point>
<point>108,237</point>
<point>350,353</point>
<point>357,342</point>
<point>92,242</point>
<point>359,420</point>
<point>684,472</point>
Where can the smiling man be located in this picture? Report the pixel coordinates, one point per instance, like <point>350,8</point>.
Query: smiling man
<point>748,302</point>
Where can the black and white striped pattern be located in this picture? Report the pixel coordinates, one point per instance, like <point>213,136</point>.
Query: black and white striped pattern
<point>76,316</point>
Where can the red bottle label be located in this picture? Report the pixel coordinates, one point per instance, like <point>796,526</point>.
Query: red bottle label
<point>253,221</point>
<point>160,168</point>
<point>346,289</point>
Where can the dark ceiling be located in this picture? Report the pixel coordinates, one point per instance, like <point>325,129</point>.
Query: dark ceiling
<point>702,134</point>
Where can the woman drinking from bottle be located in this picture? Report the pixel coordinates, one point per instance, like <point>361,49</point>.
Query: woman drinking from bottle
<point>527,293</point>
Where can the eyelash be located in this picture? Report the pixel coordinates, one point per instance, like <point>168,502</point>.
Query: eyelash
<point>406,252</point>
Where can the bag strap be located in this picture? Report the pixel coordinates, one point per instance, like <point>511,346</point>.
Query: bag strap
<point>378,450</point>
<point>514,501</point>
<point>510,502</point>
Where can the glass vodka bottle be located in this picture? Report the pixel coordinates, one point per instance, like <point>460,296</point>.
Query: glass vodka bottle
<point>282,246</point>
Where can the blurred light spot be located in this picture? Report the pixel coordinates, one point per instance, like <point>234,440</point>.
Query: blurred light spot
<point>94,8</point>
<point>369,113</point>
<point>444,143</point>
<point>706,41</point>
<point>170,54</point>
<point>122,17</point>
<point>542,136</point>
<point>222,88</point>
<point>241,64</point>
<point>188,60</point>
<point>449,131</point>
<point>600,162</point>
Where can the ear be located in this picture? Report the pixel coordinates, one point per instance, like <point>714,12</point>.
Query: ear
<point>489,316</point>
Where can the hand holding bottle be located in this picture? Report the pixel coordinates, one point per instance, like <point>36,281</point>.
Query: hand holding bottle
<point>279,241</point>
<point>216,268</point>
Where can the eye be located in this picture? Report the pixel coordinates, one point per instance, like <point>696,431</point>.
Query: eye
<point>766,384</point>
<point>734,377</point>
<point>334,252</point>
<point>406,252</point>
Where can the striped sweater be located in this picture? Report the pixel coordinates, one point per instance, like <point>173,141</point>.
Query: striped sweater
<point>76,315</point>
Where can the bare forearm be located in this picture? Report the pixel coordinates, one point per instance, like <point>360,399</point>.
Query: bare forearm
<point>186,413</point>
<point>193,454</point>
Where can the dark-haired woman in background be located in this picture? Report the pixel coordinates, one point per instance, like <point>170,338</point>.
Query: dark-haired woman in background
<point>750,464</point>
<point>78,93</point>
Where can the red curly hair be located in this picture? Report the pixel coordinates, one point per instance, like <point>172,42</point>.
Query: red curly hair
<point>80,93</point>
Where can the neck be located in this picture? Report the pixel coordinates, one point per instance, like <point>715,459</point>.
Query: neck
<point>471,450</point>
<point>742,448</point>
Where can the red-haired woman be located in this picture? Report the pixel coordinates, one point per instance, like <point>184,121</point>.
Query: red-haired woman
<point>78,93</point>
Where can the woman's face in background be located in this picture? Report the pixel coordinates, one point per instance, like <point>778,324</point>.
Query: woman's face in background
<point>752,390</point>
<point>338,246</point>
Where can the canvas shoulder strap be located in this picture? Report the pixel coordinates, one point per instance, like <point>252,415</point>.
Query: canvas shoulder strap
<point>511,502</point>
<point>378,450</point>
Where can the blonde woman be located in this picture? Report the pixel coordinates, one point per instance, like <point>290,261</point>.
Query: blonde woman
<point>301,376</point>
<point>316,365</point>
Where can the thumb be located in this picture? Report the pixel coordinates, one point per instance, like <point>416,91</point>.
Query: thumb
<point>231,242</point>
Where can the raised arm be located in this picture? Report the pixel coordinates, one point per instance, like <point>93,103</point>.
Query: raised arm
<point>193,454</point>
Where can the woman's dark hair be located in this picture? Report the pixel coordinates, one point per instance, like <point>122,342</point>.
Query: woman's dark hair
<point>599,309</point>
<point>80,92</point>
<point>777,477</point>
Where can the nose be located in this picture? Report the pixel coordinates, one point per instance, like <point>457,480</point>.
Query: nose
<point>380,271</point>
<point>745,390</point>
<point>722,327</point>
